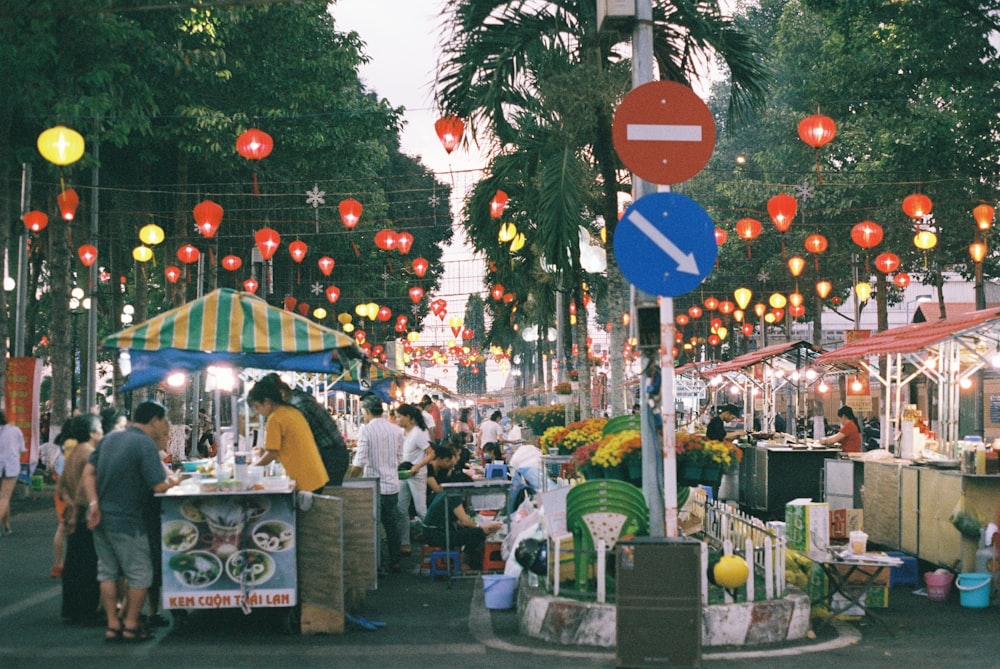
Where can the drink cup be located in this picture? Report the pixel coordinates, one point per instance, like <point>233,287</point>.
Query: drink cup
<point>859,542</point>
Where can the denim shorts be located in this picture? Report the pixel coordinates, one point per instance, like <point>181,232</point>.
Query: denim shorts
<point>120,554</point>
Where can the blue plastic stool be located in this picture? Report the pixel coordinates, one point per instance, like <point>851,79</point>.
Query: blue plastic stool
<point>440,561</point>
<point>906,574</point>
<point>495,471</point>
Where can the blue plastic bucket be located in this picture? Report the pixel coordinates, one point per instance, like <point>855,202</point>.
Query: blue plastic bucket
<point>975,589</point>
<point>498,590</point>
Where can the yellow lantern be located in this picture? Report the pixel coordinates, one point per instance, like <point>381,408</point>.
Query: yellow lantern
<point>777,301</point>
<point>925,240</point>
<point>769,318</point>
<point>361,310</point>
<point>795,265</point>
<point>863,289</point>
<point>507,232</point>
<point>344,318</point>
<point>723,332</point>
<point>978,251</point>
<point>319,313</point>
<point>413,337</point>
<point>348,327</point>
<point>151,234</point>
<point>142,253</point>
<point>823,288</point>
<point>61,145</point>
<point>517,243</point>
<point>759,309</point>
<point>738,315</point>
<point>372,311</point>
<point>742,296</point>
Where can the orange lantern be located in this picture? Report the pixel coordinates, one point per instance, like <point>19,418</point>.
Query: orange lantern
<point>385,240</point>
<point>782,208</point>
<point>886,262</point>
<point>977,250</point>
<point>682,319</point>
<point>796,299</point>
<point>35,220</point>
<point>748,229</point>
<point>727,307</point>
<point>207,216</point>
<point>68,201</point>
<point>817,130</point>
<point>866,234</point>
<point>232,263</point>
<point>815,243</point>
<point>420,266</point>
<point>416,294</point>
<point>901,279</point>
<point>404,242</point>
<point>332,294</point>
<point>350,212</point>
<point>796,264</point>
<point>172,273</point>
<point>188,254</point>
<point>298,249</point>
<point>694,311</point>
<point>449,131</point>
<point>250,286</point>
<point>303,308</point>
<point>268,240</point>
<point>498,204</point>
<point>326,265</point>
<point>720,236</point>
<point>88,254</point>
<point>497,291</point>
<point>984,216</point>
<point>289,303</point>
<point>823,288</point>
<point>917,206</point>
<point>711,303</point>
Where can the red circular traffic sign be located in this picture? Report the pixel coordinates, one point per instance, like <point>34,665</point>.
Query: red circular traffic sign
<point>663,132</point>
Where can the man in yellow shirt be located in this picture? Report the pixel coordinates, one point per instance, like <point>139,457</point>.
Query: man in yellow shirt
<point>288,438</point>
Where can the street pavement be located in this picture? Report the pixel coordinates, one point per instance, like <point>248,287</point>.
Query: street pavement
<point>429,624</point>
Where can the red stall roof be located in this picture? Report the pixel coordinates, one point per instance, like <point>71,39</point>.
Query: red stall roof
<point>752,358</point>
<point>911,338</point>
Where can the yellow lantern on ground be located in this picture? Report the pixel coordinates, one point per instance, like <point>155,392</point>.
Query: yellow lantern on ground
<point>151,234</point>
<point>61,145</point>
<point>142,253</point>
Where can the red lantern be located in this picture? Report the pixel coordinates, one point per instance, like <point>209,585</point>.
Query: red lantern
<point>68,201</point>
<point>779,314</point>
<point>468,334</point>
<point>298,249</point>
<point>385,240</point>
<point>173,273</point>
<point>782,208</point>
<point>207,216</point>
<point>268,240</point>
<point>326,264</point>
<point>303,308</point>
<point>188,254</point>
<point>797,310</point>
<point>748,228</point>
<point>497,291</point>
<point>694,311</point>
<point>289,303</point>
<point>88,254</point>
<point>449,131</point>
<point>984,216</point>
<point>420,266</point>
<point>682,319</point>
<point>332,294</point>
<point>498,204</point>
<point>384,313</point>
<point>720,236</point>
<point>250,285</point>
<point>714,340</point>
<point>866,234</point>
<point>254,144</point>
<point>711,303</point>
<point>350,212</point>
<point>35,220</point>
<point>232,263</point>
<point>886,262</point>
<point>727,307</point>
<point>817,130</point>
<point>404,242</point>
<point>901,279</point>
<point>816,243</point>
<point>747,329</point>
<point>416,294</point>
<point>917,206</point>
<point>508,298</point>
<point>836,300</point>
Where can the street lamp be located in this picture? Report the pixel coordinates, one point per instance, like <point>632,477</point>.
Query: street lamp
<point>78,304</point>
<point>919,299</point>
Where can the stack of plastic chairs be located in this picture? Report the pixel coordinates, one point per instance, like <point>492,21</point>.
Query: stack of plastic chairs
<point>602,510</point>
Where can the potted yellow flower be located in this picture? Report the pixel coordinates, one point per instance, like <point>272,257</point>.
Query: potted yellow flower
<point>701,460</point>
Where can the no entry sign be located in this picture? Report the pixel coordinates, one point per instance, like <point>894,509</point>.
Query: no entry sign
<point>663,132</point>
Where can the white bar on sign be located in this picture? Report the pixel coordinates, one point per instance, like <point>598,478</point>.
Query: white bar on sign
<point>663,133</point>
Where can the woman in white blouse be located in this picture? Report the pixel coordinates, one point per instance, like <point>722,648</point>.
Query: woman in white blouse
<point>418,452</point>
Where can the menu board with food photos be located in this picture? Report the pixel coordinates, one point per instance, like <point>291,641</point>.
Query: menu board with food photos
<point>228,550</point>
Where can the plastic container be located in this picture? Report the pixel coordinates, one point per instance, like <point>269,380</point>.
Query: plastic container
<point>974,589</point>
<point>498,591</point>
<point>938,585</point>
<point>859,542</point>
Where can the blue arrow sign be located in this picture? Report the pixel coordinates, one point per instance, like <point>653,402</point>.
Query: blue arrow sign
<point>665,244</point>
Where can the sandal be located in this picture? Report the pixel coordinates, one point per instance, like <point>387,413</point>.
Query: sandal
<point>112,634</point>
<point>136,635</point>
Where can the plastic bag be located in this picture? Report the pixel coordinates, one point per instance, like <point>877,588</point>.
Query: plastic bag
<point>966,524</point>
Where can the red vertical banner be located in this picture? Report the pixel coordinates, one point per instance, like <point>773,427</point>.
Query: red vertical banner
<point>24,379</point>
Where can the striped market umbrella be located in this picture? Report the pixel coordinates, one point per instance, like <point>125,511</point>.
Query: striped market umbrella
<point>234,328</point>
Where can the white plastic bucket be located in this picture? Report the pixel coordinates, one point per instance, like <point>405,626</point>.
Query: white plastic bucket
<point>498,590</point>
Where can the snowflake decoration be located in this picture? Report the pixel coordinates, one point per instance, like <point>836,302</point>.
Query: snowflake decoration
<point>385,275</point>
<point>316,289</point>
<point>804,191</point>
<point>434,200</point>
<point>315,196</point>
<point>763,277</point>
<point>415,309</point>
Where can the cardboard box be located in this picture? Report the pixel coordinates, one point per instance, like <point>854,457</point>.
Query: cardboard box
<point>845,521</point>
<point>807,526</point>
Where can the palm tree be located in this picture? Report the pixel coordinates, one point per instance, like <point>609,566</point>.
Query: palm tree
<point>505,62</point>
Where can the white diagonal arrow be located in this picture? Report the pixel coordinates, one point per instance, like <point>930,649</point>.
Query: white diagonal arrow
<point>685,261</point>
<point>663,132</point>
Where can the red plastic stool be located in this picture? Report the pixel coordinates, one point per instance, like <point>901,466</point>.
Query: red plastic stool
<point>492,560</point>
<point>425,557</point>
